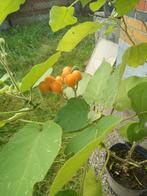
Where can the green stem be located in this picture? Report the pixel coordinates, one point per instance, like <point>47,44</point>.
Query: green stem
<point>14,112</point>
<point>30,121</point>
<point>104,166</point>
<point>73,3</point>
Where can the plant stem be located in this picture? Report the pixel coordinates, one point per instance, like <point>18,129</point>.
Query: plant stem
<point>143,162</point>
<point>131,151</point>
<point>10,74</point>
<point>30,121</point>
<point>73,3</point>
<point>14,112</point>
<point>126,30</point>
<point>105,164</point>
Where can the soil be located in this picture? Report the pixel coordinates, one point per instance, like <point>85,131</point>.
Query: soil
<point>129,176</point>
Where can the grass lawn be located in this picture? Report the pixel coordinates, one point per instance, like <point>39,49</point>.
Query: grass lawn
<point>29,45</point>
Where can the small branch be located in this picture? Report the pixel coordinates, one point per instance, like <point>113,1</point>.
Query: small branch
<point>105,164</point>
<point>76,1</point>
<point>30,121</point>
<point>129,157</point>
<point>143,162</point>
<point>14,112</point>
<point>138,180</point>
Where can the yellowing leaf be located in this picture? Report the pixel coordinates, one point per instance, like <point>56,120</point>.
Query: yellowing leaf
<point>74,35</point>
<point>8,6</point>
<point>61,17</point>
<point>97,5</point>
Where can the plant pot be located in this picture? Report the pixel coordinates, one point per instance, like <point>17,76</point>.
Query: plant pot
<point>118,188</point>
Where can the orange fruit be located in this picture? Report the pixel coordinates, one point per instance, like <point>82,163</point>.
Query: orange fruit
<point>70,80</point>
<point>49,79</point>
<point>67,70</point>
<point>77,74</point>
<point>44,87</point>
<point>59,79</point>
<point>56,87</point>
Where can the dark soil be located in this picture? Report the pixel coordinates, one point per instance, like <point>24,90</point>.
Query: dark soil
<point>127,175</point>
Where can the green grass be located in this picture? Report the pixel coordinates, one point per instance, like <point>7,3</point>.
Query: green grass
<point>29,45</point>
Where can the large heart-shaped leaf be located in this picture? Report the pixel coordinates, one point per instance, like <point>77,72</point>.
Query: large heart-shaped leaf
<point>37,71</point>
<point>125,6</point>
<point>94,6</point>
<point>91,186</point>
<point>27,157</point>
<point>81,140</point>
<point>136,55</point>
<point>71,166</point>
<point>61,17</point>
<point>136,132</point>
<point>122,101</point>
<point>74,35</point>
<point>74,115</point>
<point>7,7</point>
<point>97,83</point>
<point>138,97</point>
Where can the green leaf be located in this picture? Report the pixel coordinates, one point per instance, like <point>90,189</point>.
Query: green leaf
<point>138,97</point>
<point>2,123</point>
<point>37,71</point>
<point>125,6</point>
<point>122,101</point>
<point>71,166</point>
<point>94,6</point>
<point>110,90</point>
<point>27,157</point>
<point>7,7</point>
<point>123,130</point>
<point>135,55</point>
<point>74,35</point>
<point>61,17</point>
<point>74,115</point>
<point>81,140</point>
<point>84,2</point>
<point>67,193</point>
<point>91,186</point>
<point>97,83</point>
<point>136,132</point>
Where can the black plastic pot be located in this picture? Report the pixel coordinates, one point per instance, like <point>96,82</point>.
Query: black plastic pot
<point>119,189</point>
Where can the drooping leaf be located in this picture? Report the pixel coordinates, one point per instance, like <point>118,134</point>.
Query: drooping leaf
<point>71,166</point>
<point>84,2</point>
<point>136,55</point>
<point>138,97</point>
<point>67,193</point>
<point>74,35</point>
<point>136,132</point>
<point>81,140</point>
<point>125,6</point>
<point>74,115</point>
<point>122,101</point>
<point>96,5</point>
<point>61,17</point>
<point>37,71</point>
<point>91,186</point>
<point>97,83</point>
<point>7,7</point>
<point>27,157</point>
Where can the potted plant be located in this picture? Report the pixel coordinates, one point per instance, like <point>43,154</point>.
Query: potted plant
<point>84,118</point>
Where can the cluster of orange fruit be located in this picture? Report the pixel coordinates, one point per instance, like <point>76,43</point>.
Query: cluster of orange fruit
<point>69,77</point>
